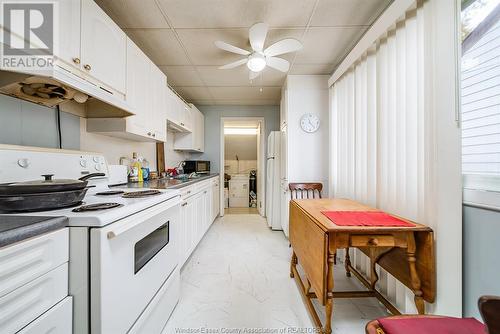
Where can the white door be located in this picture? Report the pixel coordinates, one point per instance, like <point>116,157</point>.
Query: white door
<point>103,47</point>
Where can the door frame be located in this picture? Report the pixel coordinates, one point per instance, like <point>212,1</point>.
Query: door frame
<point>261,161</point>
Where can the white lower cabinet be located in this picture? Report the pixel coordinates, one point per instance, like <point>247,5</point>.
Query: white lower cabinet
<point>197,215</point>
<point>34,285</point>
<point>23,305</point>
<point>57,320</point>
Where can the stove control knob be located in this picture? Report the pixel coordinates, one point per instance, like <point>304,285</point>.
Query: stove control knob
<point>83,163</point>
<point>24,163</point>
<point>96,159</point>
<point>97,167</point>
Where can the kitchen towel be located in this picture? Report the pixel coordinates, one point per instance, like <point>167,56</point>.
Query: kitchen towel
<point>365,218</point>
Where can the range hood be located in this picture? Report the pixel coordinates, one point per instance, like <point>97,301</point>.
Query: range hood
<point>59,87</point>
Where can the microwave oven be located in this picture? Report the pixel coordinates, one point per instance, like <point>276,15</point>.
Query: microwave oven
<point>198,166</point>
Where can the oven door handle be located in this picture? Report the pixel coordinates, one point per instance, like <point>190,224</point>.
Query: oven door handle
<point>139,220</point>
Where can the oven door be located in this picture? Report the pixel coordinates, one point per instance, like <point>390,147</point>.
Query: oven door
<point>130,260</point>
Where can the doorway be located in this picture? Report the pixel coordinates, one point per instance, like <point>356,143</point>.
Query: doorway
<point>242,165</point>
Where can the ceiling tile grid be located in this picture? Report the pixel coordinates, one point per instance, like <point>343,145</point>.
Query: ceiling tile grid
<point>179,37</point>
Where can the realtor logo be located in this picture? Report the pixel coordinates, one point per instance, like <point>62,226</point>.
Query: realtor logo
<point>28,33</point>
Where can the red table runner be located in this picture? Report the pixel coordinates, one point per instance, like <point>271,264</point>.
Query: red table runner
<point>364,218</point>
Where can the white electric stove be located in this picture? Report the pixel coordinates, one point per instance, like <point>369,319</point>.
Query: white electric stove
<point>123,272</point>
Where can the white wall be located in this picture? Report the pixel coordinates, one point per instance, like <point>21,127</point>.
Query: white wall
<point>172,157</point>
<point>114,148</point>
<point>244,146</point>
<point>307,152</point>
<point>239,167</point>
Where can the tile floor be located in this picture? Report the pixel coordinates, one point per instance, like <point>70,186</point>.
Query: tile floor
<point>238,278</point>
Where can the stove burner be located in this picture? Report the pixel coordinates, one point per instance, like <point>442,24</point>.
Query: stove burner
<point>97,207</point>
<point>139,194</point>
<point>110,192</point>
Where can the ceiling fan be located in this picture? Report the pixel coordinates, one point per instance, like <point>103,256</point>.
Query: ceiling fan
<point>257,59</point>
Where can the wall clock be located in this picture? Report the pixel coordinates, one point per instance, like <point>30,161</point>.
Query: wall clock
<point>309,123</point>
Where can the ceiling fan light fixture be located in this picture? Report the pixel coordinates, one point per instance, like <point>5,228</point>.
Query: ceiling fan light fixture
<point>256,62</point>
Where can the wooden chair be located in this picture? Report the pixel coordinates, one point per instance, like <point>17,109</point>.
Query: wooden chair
<point>306,190</point>
<point>489,307</point>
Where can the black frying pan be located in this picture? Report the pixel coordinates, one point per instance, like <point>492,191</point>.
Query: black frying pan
<point>48,185</point>
<point>41,201</point>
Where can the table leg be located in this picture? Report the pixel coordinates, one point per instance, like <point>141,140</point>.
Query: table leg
<point>329,293</point>
<point>293,264</point>
<point>347,262</point>
<point>415,279</point>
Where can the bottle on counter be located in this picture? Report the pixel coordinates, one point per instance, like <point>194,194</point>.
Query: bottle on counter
<point>145,169</point>
<point>135,169</point>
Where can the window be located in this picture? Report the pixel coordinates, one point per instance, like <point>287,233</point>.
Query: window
<point>480,94</point>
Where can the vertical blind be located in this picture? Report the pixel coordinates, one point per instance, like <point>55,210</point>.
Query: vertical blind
<point>380,134</point>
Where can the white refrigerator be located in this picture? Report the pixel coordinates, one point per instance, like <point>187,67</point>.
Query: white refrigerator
<point>273,202</point>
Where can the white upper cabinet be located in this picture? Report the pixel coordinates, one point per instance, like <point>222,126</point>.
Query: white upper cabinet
<point>178,113</point>
<point>145,94</point>
<point>157,92</point>
<point>68,45</point>
<point>137,92</point>
<point>194,141</point>
<point>103,47</point>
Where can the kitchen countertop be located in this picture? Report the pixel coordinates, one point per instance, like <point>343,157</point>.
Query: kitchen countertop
<point>18,228</point>
<point>169,183</point>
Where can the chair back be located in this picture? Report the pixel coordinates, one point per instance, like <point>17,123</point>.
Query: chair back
<point>305,190</point>
<point>489,306</point>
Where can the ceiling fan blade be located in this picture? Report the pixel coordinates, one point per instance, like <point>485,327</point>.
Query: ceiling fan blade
<point>253,75</point>
<point>278,64</point>
<point>231,48</point>
<point>234,64</point>
<point>284,46</point>
<point>257,36</point>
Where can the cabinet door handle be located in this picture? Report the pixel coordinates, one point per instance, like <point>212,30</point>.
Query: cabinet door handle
<point>87,67</point>
<point>205,192</point>
<point>184,204</point>
<point>154,134</point>
<point>149,133</point>
<point>76,60</point>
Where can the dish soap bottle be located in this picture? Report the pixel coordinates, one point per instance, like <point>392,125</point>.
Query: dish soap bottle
<point>136,169</point>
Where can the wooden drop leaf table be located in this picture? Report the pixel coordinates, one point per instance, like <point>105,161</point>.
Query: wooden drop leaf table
<point>407,253</point>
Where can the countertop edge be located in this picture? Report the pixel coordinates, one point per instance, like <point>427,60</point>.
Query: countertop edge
<point>28,231</point>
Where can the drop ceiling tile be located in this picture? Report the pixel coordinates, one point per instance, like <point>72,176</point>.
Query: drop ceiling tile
<point>238,76</point>
<point>133,13</point>
<point>181,75</point>
<point>160,45</point>
<point>311,69</point>
<point>245,93</point>
<point>331,13</point>
<point>193,93</point>
<point>237,13</point>
<point>328,45</point>
<point>253,102</point>
<point>200,46</point>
